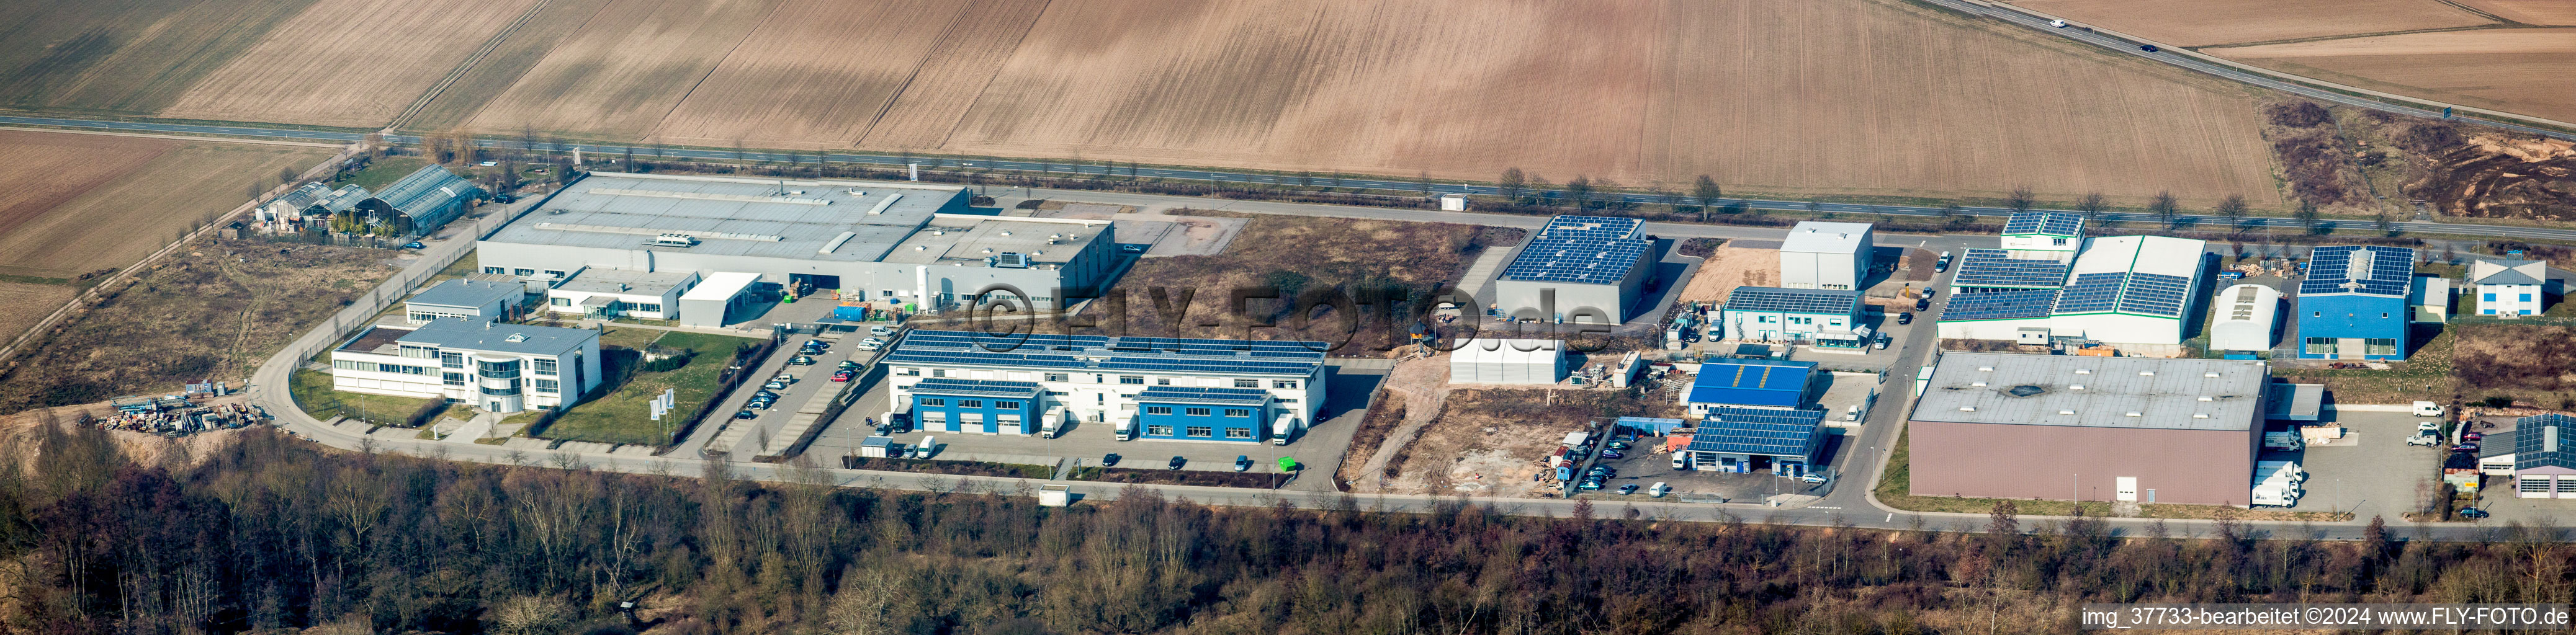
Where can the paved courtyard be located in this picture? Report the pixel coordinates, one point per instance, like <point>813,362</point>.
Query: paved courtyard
<point>2378,476</point>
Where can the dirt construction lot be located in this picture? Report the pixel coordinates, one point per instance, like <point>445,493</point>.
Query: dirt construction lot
<point>2207,22</point>
<point>1731,267</point>
<point>77,203</point>
<point>1488,442</point>
<point>2513,70</point>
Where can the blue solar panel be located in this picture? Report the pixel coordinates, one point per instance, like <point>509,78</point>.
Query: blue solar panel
<point>1604,227</point>
<point>1779,300</point>
<point>2092,293</point>
<point>2359,269</point>
<point>2050,223</point>
<point>2154,294</point>
<point>1580,260</point>
<point>1758,431</point>
<point>1994,268</point>
<point>1999,305</point>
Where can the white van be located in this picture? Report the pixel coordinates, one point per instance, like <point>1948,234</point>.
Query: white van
<point>1681,460</point>
<point>2428,409</point>
<point>1658,490</point>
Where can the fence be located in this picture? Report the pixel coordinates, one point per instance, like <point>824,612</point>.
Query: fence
<point>336,240</point>
<point>743,365</point>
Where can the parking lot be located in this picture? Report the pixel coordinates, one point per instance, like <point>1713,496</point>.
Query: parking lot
<point>1646,463</point>
<point>1319,448</point>
<point>2378,475</point>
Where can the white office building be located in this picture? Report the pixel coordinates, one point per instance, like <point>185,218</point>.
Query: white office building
<point>616,293</point>
<point>2509,287</point>
<point>464,299</point>
<point>500,368</point>
<point>1822,255</point>
<point>1271,388</point>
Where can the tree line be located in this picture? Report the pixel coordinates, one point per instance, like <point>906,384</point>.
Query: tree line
<point>271,533</point>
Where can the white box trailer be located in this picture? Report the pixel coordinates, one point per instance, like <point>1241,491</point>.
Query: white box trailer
<point>876,447</point>
<point>1125,426</point>
<point>1055,495</point>
<point>1282,427</point>
<point>1055,421</point>
<point>2281,469</point>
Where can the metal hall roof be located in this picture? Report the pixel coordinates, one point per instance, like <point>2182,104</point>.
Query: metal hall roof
<point>1826,237</point>
<point>426,189</point>
<point>1577,260</point>
<point>1094,353</point>
<point>2017,304</point>
<point>843,221</point>
<point>1750,382</point>
<point>2102,392</point>
<point>1983,267</point>
<point>983,387</point>
<point>478,335</point>
<point>469,293</point>
<point>2507,272</point>
<point>1192,394</point>
<point>1781,300</point>
<point>2362,270</point>
<point>1787,433</point>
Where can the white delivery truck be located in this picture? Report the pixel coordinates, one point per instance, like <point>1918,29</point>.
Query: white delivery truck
<point>1282,427</point>
<point>1125,427</point>
<point>2427,409</point>
<point>2285,470</point>
<point>1054,422</point>
<point>923,449</point>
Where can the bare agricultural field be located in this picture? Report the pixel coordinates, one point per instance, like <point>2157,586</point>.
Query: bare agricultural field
<point>2512,70</point>
<point>2541,12</point>
<point>123,56</point>
<point>133,205</point>
<point>1876,97</point>
<point>21,305</point>
<point>624,70</point>
<point>353,63</point>
<point>509,61</point>
<point>2208,22</point>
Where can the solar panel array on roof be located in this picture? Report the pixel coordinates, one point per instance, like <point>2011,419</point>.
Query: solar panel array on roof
<point>1583,260</point>
<point>1758,431</point>
<point>1590,227</point>
<point>1174,394</point>
<point>2154,294</point>
<point>1094,352</point>
<point>2537,445</point>
<point>1996,268</point>
<point>1775,299</point>
<point>1752,383</point>
<point>2358,269</point>
<point>976,387</point>
<point>2050,223</point>
<point>2092,292</point>
<point>2017,304</point>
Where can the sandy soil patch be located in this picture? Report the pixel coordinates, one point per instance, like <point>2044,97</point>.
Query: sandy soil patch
<point>122,215</point>
<point>2207,22</point>
<point>347,62</point>
<point>2544,12</point>
<point>1490,442</point>
<point>1731,267</point>
<point>2512,70</point>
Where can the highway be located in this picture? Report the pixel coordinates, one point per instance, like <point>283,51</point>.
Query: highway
<point>1848,505</point>
<point>2265,223</point>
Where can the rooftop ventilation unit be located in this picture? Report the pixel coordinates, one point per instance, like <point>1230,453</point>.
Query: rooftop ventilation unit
<point>1012,260</point>
<point>673,240</point>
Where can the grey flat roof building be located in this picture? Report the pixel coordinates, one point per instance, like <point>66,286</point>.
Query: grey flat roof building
<point>626,281</point>
<point>498,338</point>
<point>469,294</point>
<point>2108,392</point>
<point>890,242</point>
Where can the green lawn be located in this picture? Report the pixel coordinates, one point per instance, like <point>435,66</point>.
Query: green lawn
<point>622,415</point>
<point>383,172</point>
<point>312,392</point>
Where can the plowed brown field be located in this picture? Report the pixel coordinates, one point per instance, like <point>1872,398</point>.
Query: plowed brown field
<point>2207,22</point>
<point>2545,12</point>
<point>2512,70</point>
<point>347,62</point>
<point>774,87</point>
<point>625,69</point>
<point>73,203</point>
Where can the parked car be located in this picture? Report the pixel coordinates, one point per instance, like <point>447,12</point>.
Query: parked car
<point>775,385</point>
<point>1681,460</point>
<point>844,375</point>
<point>1132,248</point>
<point>1905,318</point>
<point>414,245</point>
<point>1109,460</point>
<point>881,331</point>
<point>2471,512</point>
<point>1589,486</point>
<point>818,343</point>
<point>1627,489</point>
<point>1922,304</point>
<point>765,395</point>
<point>1613,454</point>
<point>504,198</point>
<point>1177,462</point>
<point>1619,445</point>
<point>2151,48</point>
<point>848,365</point>
<point>800,360</point>
<point>1243,463</point>
<point>870,346</point>
<point>1882,342</point>
<point>746,414</point>
<point>759,404</point>
<point>1812,478</point>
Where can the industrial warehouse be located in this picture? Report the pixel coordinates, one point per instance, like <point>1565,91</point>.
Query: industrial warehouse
<point>1242,391</point>
<point>1586,269</point>
<point>2070,427</point>
<point>2128,291</point>
<point>903,243</point>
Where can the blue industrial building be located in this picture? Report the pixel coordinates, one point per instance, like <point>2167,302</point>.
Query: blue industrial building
<point>1733,439</point>
<point>2353,303</point>
<point>975,405</point>
<point>1756,383</point>
<point>1177,413</point>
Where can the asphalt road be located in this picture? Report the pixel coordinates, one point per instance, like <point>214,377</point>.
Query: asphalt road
<point>1056,167</point>
<point>2129,47</point>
